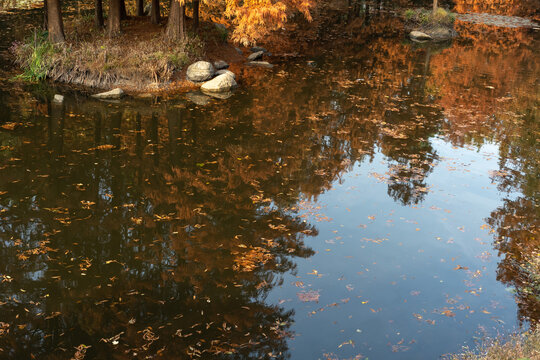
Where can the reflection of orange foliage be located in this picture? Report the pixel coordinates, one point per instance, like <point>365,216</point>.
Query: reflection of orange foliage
<point>491,72</point>
<point>501,7</point>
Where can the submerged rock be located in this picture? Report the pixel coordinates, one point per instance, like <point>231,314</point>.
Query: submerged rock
<point>113,94</point>
<point>200,71</point>
<point>265,64</point>
<point>221,83</point>
<point>256,56</point>
<point>224,71</point>
<point>418,35</point>
<point>221,95</point>
<point>198,98</point>
<point>220,64</point>
<point>58,98</point>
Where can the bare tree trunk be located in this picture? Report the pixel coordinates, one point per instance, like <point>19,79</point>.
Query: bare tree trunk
<point>140,7</point>
<point>98,10</point>
<point>196,4</point>
<point>176,24</point>
<point>435,6</point>
<point>114,18</point>
<point>154,13</point>
<point>123,11</point>
<point>45,15</point>
<point>55,25</point>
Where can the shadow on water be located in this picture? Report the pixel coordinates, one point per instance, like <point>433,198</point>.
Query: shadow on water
<point>138,228</point>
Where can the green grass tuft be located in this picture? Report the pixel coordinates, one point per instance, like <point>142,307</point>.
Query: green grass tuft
<point>35,56</point>
<point>428,18</point>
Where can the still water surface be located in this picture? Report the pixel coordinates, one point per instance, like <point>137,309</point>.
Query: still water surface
<point>375,203</point>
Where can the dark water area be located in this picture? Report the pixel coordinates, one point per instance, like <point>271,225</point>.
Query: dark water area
<point>377,201</point>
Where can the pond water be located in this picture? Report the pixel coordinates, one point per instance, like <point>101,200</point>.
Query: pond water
<point>377,202</point>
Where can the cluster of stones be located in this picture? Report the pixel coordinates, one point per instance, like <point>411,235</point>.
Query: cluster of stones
<point>255,58</point>
<point>214,78</point>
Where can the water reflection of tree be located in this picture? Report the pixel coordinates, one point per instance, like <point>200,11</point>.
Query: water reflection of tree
<point>495,101</point>
<point>516,222</point>
<point>187,215</point>
<point>158,241</point>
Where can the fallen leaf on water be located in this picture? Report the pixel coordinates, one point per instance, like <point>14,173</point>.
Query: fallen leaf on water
<point>448,313</point>
<point>307,296</point>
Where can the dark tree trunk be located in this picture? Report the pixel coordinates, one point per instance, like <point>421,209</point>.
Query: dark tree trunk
<point>114,18</point>
<point>123,11</point>
<point>45,14</point>
<point>176,24</point>
<point>55,25</point>
<point>196,15</point>
<point>154,13</point>
<point>98,9</point>
<point>140,7</point>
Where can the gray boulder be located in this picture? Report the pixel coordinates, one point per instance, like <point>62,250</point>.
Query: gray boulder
<point>256,56</point>
<point>58,98</point>
<point>220,64</point>
<point>258,48</point>
<point>228,72</point>
<point>265,64</point>
<point>418,35</point>
<point>113,94</point>
<point>200,71</point>
<point>221,83</point>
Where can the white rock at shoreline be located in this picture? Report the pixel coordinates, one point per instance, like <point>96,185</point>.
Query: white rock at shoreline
<point>418,35</point>
<point>221,83</point>
<point>113,94</point>
<point>58,98</point>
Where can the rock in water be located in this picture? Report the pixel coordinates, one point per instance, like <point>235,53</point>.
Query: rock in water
<point>221,95</point>
<point>113,94</point>
<point>230,73</point>
<point>198,98</point>
<point>418,35</point>
<point>442,34</point>
<point>257,49</point>
<point>220,64</point>
<point>200,71</point>
<point>255,56</point>
<point>58,98</point>
<point>265,64</point>
<point>221,83</point>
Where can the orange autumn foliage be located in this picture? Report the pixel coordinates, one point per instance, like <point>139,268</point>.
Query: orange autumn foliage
<point>253,19</point>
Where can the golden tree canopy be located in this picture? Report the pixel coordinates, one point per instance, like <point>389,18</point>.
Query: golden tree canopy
<point>255,18</point>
